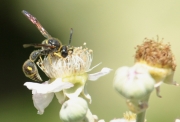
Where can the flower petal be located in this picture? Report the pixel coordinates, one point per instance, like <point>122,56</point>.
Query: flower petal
<point>120,120</point>
<point>41,101</point>
<point>169,79</point>
<point>60,96</point>
<point>89,117</point>
<point>74,91</point>
<point>45,88</point>
<point>102,120</point>
<point>86,94</point>
<point>95,76</point>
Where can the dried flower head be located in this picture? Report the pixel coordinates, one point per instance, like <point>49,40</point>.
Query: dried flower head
<point>155,53</point>
<point>158,59</point>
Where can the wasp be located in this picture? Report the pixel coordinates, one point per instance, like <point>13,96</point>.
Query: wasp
<point>50,46</point>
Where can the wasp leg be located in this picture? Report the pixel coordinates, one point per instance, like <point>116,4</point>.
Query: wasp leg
<point>40,58</point>
<point>56,54</point>
<point>30,70</point>
<point>39,63</point>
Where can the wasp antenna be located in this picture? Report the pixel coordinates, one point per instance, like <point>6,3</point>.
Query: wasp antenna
<point>37,23</point>
<point>26,45</point>
<point>32,45</point>
<point>70,37</point>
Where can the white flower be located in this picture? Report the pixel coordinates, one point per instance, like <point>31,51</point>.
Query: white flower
<point>68,78</point>
<point>177,120</point>
<point>128,117</point>
<point>122,120</point>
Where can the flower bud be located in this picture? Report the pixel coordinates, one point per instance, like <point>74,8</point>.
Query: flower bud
<point>133,82</point>
<point>74,110</point>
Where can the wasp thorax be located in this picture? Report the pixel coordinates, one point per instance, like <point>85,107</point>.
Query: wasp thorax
<point>75,63</point>
<point>54,42</point>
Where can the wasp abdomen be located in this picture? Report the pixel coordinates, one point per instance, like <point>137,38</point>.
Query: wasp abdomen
<point>30,70</point>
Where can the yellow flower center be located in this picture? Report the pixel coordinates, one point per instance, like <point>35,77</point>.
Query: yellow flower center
<point>129,116</point>
<point>74,79</point>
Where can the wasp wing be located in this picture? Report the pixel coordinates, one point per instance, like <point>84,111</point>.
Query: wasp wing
<point>37,23</point>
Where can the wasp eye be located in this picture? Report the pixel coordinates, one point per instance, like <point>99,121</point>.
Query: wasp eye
<point>64,51</point>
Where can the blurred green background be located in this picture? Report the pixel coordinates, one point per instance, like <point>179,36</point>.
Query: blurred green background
<point>111,28</point>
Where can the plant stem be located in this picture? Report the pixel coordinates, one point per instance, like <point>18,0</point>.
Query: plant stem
<point>141,116</point>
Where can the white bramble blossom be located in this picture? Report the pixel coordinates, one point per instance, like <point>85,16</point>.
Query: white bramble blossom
<point>67,78</point>
<point>128,117</point>
<point>177,120</point>
<point>122,120</point>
